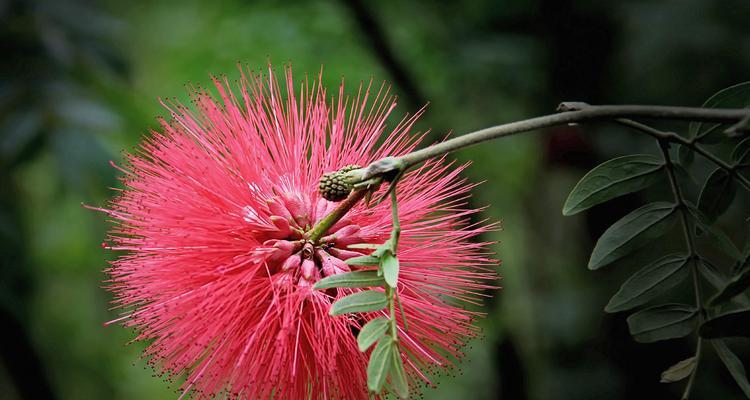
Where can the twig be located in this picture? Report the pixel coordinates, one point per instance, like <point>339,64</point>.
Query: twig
<point>574,112</point>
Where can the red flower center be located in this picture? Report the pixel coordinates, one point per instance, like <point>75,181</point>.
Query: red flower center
<point>288,253</point>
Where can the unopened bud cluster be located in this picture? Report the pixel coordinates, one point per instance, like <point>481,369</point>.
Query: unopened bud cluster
<point>336,186</point>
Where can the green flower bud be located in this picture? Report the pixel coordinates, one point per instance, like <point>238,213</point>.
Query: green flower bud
<point>336,186</point>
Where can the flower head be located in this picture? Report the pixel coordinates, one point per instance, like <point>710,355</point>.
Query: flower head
<point>217,270</point>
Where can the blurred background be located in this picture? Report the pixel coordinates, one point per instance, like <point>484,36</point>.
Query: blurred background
<point>80,82</point>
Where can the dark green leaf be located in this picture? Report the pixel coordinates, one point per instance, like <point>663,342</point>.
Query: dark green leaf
<point>649,282</point>
<point>372,332</point>
<point>683,175</point>
<point>721,240</point>
<point>717,194</point>
<point>679,371</point>
<point>662,322</point>
<point>741,153</point>
<point>737,285</point>
<point>390,265</point>
<point>685,155</point>
<point>363,261</point>
<point>632,232</point>
<point>711,134</point>
<point>718,280</point>
<point>611,179</point>
<point>380,364</point>
<point>733,364</point>
<point>369,300</point>
<point>737,96</point>
<point>398,376</point>
<point>356,279</point>
<point>739,129</point>
<point>735,323</point>
<point>711,274</point>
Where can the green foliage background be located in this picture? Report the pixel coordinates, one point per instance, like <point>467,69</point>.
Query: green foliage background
<point>81,80</point>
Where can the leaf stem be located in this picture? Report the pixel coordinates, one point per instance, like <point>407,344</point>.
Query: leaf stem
<point>677,194</point>
<point>675,138</point>
<point>689,243</point>
<point>680,200</point>
<point>691,379</point>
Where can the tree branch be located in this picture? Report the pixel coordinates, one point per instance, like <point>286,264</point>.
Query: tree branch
<point>572,112</point>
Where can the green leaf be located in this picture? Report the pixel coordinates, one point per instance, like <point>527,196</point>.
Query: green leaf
<point>380,364</point>
<point>356,279</point>
<point>372,332</point>
<point>721,240</point>
<point>735,323</point>
<point>733,364</point>
<point>718,280</point>
<point>711,134</point>
<point>611,179</point>
<point>387,246</point>
<point>717,194</point>
<point>685,155</point>
<point>736,286</point>
<point>683,175</point>
<point>662,322</point>
<point>632,232</point>
<point>736,96</point>
<point>369,300</point>
<point>363,261</point>
<point>712,274</point>
<point>665,273</point>
<point>741,153</point>
<point>390,265</point>
<point>679,371</point>
<point>398,376</point>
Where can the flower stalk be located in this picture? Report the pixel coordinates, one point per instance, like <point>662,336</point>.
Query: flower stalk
<point>321,228</point>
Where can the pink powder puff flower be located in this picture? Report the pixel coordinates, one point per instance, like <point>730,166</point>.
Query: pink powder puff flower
<point>217,276</point>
